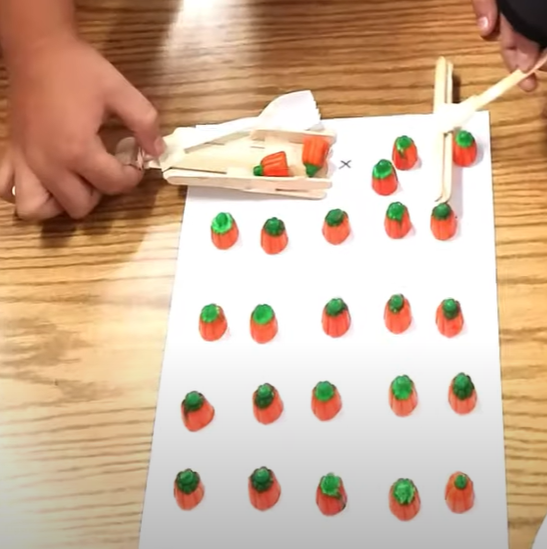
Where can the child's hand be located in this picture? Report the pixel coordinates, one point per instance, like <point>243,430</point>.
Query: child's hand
<point>59,98</point>
<point>517,51</point>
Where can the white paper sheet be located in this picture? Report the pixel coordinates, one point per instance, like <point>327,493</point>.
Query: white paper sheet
<point>366,444</point>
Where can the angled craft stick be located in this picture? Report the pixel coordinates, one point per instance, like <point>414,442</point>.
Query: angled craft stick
<point>457,115</point>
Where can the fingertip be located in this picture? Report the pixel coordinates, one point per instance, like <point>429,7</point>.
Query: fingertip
<point>529,84</point>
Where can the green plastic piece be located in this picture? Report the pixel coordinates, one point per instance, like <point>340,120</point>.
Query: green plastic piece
<point>396,303</point>
<point>193,401</point>
<point>404,491</point>
<point>461,482</point>
<point>396,211</point>
<point>324,391</point>
<point>274,227</point>
<point>335,218</point>
<point>336,307</point>
<point>210,313</point>
<point>451,308</point>
<point>262,479</point>
<point>462,386</point>
<point>264,396</point>
<point>464,139</point>
<point>442,211</point>
<point>383,169</point>
<point>187,481</point>
<point>263,314</point>
<point>330,486</point>
<point>222,223</point>
<point>402,387</point>
<point>403,143</point>
<point>311,170</point>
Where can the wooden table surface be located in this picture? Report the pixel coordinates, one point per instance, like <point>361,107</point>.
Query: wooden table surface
<point>84,306</point>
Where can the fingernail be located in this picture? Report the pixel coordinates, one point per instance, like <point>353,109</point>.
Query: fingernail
<point>159,145</point>
<point>482,23</point>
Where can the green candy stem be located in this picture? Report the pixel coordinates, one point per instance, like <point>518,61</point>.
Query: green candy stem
<point>264,396</point>
<point>210,313</point>
<point>396,211</point>
<point>262,479</point>
<point>193,402</point>
<point>403,143</point>
<point>396,303</point>
<point>461,482</point>
<point>311,170</point>
<point>187,481</point>
<point>263,314</point>
<point>402,387</point>
<point>462,386</point>
<point>383,169</point>
<point>336,307</point>
<point>442,211</point>
<point>274,227</point>
<point>258,171</point>
<point>451,308</point>
<point>464,139</point>
<point>222,223</point>
<point>335,218</point>
<point>330,486</point>
<point>324,391</point>
<point>404,491</point>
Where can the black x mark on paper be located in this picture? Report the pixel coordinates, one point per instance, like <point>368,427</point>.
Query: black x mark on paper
<point>345,164</point>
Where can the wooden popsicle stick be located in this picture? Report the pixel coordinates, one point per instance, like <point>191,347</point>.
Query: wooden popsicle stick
<point>186,181</point>
<point>447,174</point>
<point>236,180</point>
<point>457,116</point>
<point>443,95</point>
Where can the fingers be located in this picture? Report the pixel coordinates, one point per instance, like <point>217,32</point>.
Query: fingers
<point>139,115</point>
<point>74,195</point>
<point>32,201</point>
<point>105,172</point>
<point>518,53</point>
<point>7,177</point>
<point>486,12</point>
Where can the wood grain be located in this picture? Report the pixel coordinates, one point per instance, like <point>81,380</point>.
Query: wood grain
<point>84,307</point>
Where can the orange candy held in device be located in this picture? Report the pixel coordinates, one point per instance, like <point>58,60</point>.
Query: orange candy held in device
<point>273,165</point>
<point>315,150</point>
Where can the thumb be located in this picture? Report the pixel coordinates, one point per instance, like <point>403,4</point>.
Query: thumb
<point>486,12</point>
<point>139,115</point>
